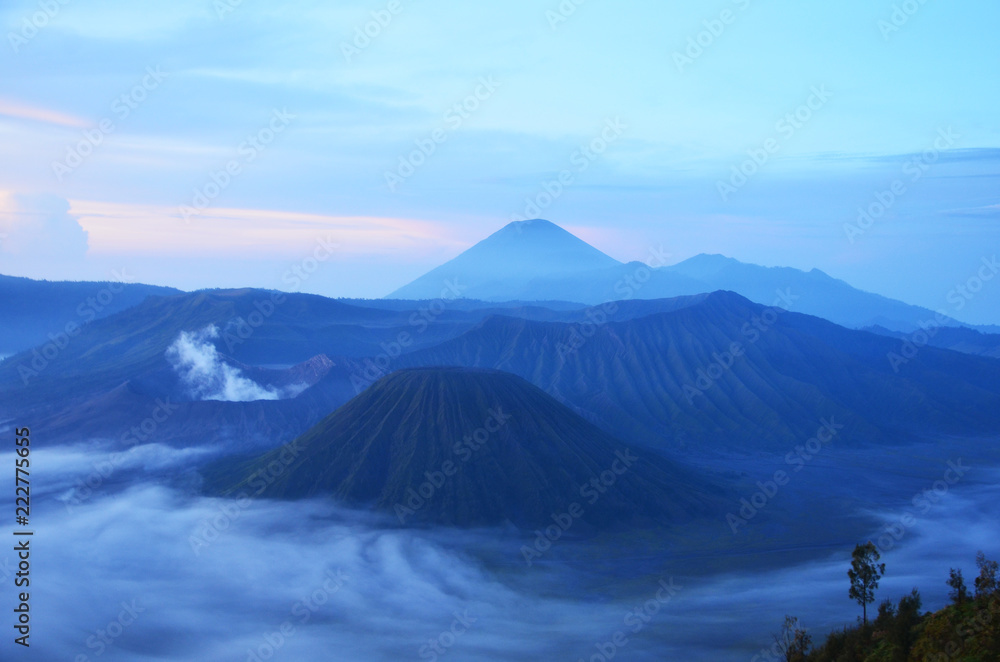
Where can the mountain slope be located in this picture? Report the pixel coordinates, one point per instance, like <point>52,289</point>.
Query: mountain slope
<point>253,329</point>
<point>135,412</point>
<point>960,339</point>
<point>538,261</point>
<point>43,307</point>
<point>673,377</point>
<point>506,262</point>
<point>818,293</point>
<point>643,373</point>
<point>473,447</point>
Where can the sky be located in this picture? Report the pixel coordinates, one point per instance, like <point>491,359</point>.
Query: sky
<point>219,143</point>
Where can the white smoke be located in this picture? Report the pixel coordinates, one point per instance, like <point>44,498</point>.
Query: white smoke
<point>208,377</point>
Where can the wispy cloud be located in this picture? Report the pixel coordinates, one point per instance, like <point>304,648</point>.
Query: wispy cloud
<point>138,228</point>
<point>22,111</point>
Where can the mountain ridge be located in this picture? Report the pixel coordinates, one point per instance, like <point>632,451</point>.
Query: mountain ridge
<point>546,276</point>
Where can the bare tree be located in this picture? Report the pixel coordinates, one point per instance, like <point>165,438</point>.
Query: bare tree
<point>794,641</point>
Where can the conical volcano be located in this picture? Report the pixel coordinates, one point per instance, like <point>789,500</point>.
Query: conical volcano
<point>470,447</point>
<point>506,263</point>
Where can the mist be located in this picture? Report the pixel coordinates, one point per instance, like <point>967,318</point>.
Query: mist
<point>148,570</point>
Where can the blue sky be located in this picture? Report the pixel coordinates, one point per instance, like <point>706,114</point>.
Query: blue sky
<point>119,120</point>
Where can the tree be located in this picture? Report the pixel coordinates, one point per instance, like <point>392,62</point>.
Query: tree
<point>959,593</point>
<point>986,582</point>
<point>794,640</point>
<point>864,575</point>
<point>886,615</point>
<point>903,633</point>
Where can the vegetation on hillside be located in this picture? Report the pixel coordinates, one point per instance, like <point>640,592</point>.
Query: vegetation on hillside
<point>967,630</point>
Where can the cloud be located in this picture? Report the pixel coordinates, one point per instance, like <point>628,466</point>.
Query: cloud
<point>339,579</point>
<point>40,227</point>
<point>208,377</point>
<point>20,110</point>
<point>125,228</point>
<point>78,471</point>
<point>989,212</point>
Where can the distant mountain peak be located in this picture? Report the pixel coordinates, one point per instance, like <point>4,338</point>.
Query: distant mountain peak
<point>509,260</point>
<point>536,260</point>
<point>539,229</point>
<point>536,223</point>
<point>704,264</point>
<point>536,226</point>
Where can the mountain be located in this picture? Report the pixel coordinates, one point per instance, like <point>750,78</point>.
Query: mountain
<point>724,374</point>
<point>110,374</point>
<point>133,413</point>
<point>658,373</point>
<point>472,447</point>
<point>255,327</point>
<point>818,293</point>
<point>538,261</point>
<point>960,339</point>
<point>47,307</point>
<point>505,264</point>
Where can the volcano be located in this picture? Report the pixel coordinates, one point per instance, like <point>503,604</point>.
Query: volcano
<point>510,262</point>
<point>471,447</point>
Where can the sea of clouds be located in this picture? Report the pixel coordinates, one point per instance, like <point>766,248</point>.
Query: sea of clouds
<point>148,570</point>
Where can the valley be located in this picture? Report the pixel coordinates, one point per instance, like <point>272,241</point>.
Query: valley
<point>576,453</point>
